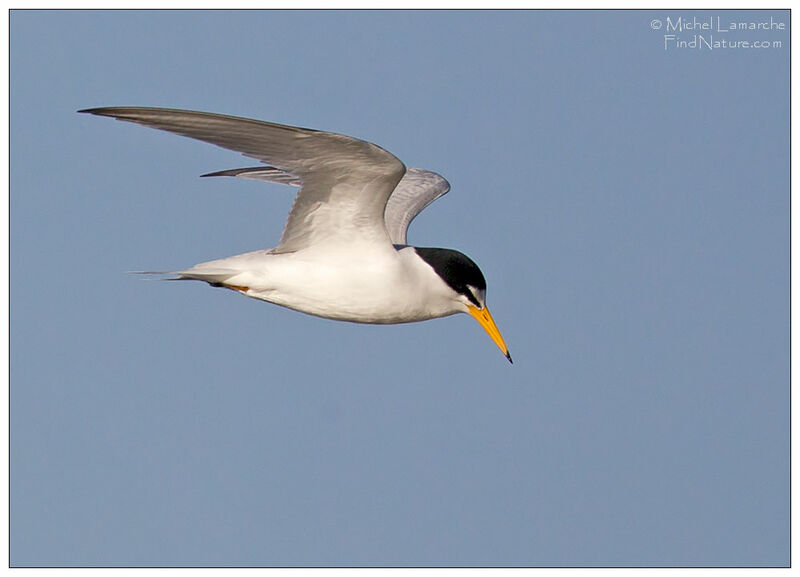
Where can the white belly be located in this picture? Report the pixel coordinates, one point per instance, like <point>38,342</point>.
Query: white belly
<point>366,286</point>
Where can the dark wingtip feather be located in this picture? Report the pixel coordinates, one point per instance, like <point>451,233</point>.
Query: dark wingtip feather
<point>97,111</point>
<point>119,112</point>
<point>232,172</point>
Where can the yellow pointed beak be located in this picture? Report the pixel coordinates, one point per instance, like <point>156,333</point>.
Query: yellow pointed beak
<point>487,322</point>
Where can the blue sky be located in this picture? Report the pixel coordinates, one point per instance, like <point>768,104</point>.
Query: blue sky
<point>628,205</point>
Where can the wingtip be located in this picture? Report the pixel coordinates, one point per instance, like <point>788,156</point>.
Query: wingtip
<point>508,356</point>
<point>112,111</point>
<point>97,111</point>
<point>233,172</point>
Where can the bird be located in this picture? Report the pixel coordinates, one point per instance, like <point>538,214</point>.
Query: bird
<point>343,254</point>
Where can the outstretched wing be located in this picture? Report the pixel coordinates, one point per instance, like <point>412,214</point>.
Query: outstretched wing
<point>346,181</point>
<point>417,189</point>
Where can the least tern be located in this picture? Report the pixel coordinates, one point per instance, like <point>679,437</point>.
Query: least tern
<point>343,253</point>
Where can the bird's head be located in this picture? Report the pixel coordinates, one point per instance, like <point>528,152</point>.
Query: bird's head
<point>466,280</point>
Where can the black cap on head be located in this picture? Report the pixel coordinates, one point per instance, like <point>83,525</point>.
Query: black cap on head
<point>456,269</point>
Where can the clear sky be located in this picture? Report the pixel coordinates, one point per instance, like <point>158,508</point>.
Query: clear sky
<point>625,194</point>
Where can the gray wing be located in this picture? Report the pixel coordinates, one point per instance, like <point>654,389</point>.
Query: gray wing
<point>417,189</point>
<point>346,181</point>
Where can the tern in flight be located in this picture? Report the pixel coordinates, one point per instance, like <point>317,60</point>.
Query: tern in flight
<point>343,253</point>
